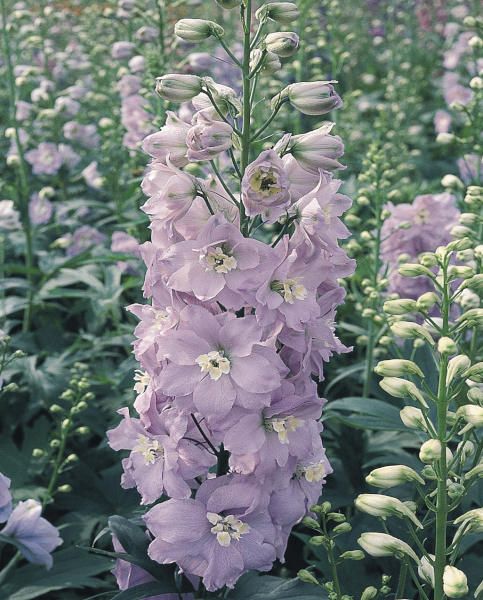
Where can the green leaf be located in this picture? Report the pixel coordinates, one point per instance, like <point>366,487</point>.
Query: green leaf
<point>131,537</point>
<point>265,587</point>
<point>365,413</point>
<point>144,591</point>
<point>72,569</point>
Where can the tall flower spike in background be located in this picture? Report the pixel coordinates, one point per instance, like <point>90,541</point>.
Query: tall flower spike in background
<point>243,273</point>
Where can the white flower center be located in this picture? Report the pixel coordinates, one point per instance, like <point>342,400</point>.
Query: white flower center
<point>150,449</point>
<point>227,528</point>
<point>160,317</point>
<point>216,259</point>
<point>142,380</point>
<point>214,363</point>
<point>422,216</point>
<point>312,472</point>
<point>282,426</point>
<point>290,289</point>
<point>327,213</point>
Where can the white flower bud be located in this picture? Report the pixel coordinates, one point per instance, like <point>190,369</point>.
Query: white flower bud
<point>397,367</point>
<point>412,417</point>
<point>410,330</point>
<point>472,414</point>
<point>460,272</point>
<point>475,373</point>
<point>401,388</point>
<point>474,472</point>
<point>282,12</point>
<point>197,30</point>
<point>414,270</point>
<point>400,307</point>
<point>447,346</point>
<point>466,449</point>
<point>430,451</point>
<point>383,544</point>
<point>475,395</point>
<point>282,43</point>
<point>451,181</point>
<point>379,505</point>
<point>313,98</point>
<point>392,475</point>
<point>445,138</point>
<point>456,366</point>
<point>469,522</point>
<point>426,301</point>
<point>455,584</point>
<point>178,88</point>
<point>468,299</point>
<point>426,570</point>
<point>271,62</point>
<point>369,593</point>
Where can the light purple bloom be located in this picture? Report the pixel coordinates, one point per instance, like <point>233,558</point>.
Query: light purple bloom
<point>221,534</point>
<point>40,209</point>
<point>121,50</point>
<point>208,137</point>
<point>45,159</point>
<point>36,536</point>
<point>84,238</point>
<point>5,498</point>
<point>265,187</point>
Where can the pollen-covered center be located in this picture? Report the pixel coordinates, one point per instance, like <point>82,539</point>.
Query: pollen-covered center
<point>314,472</point>
<point>142,380</point>
<point>265,182</point>
<point>215,363</point>
<point>282,426</point>
<point>290,289</point>
<point>150,449</point>
<point>227,528</point>
<point>219,260</point>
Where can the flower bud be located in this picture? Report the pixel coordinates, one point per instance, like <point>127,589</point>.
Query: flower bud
<point>397,367</point>
<point>64,489</point>
<point>466,449</point>
<point>414,270</point>
<point>282,43</point>
<point>38,453</point>
<point>428,259</point>
<point>307,577</point>
<point>475,283</point>
<point>229,4</point>
<point>426,570</point>
<point>392,475</point>
<point>456,366</point>
<point>383,544</point>
<point>342,528</point>
<point>445,138</point>
<point>401,388</point>
<point>455,584</point>
<point>447,346</point>
<point>475,373</point>
<point>281,12</point>
<point>460,272</point>
<point>451,181</point>
<point>352,555</point>
<point>271,63</point>
<point>197,30</point>
<point>413,418</point>
<point>400,307</point>
<point>310,522</point>
<point>379,505</point>
<point>475,395</point>
<point>313,98</point>
<point>430,451</point>
<point>178,88</point>
<point>472,414</point>
<point>369,593</point>
<point>410,330</point>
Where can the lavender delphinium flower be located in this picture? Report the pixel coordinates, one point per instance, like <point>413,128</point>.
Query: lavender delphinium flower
<point>5,498</point>
<point>84,238</point>
<point>40,209</point>
<point>45,159</point>
<point>412,229</point>
<point>228,416</point>
<point>36,537</point>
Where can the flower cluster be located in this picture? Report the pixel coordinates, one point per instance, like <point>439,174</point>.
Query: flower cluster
<point>228,414</point>
<point>33,535</point>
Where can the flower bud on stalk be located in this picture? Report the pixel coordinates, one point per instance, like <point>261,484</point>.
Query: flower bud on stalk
<point>475,373</point>
<point>369,593</point>
<point>379,505</point>
<point>472,414</point>
<point>312,98</point>
<point>430,452</point>
<point>383,544</point>
<point>178,88</point>
<point>426,570</point>
<point>282,43</point>
<point>414,270</point>
<point>456,366</point>
<point>401,388</point>
<point>271,62</point>
<point>455,584</point>
<point>353,555</point>
<point>281,12</point>
<point>410,330</point>
<point>397,367</point>
<point>447,346</point>
<point>392,475</point>
<point>400,307</point>
<point>413,418</point>
<point>197,30</point>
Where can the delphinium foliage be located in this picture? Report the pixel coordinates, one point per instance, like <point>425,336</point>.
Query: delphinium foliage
<point>242,274</point>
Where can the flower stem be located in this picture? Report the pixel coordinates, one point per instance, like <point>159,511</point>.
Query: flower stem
<point>5,572</point>
<point>442,471</point>
<point>246,16</point>
<point>23,194</point>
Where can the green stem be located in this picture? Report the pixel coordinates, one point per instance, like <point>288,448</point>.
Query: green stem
<point>5,572</point>
<point>401,586</point>
<point>442,472</point>
<point>24,186</point>
<point>246,16</point>
<point>331,559</point>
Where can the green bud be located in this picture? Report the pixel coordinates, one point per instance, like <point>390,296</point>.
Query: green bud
<point>336,517</point>
<point>310,522</point>
<point>38,453</point>
<point>415,270</point>
<point>410,330</point>
<point>353,555</point>
<point>401,388</point>
<point>281,12</point>
<point>318,540</point>
<point>447,346</point>
<point>428,259</point>
<point>197,30</point>
<point>83,430</point>
<point>397,367</point>
<point>475,373</point>
<point>392,475</point>
<point>178,88</point>
<point>307,577</point>
<point>429,473</point>
<point>456,367</point>
<point>64,489</point>
<point>430,452</point>
<point>282,43</point>
<point>400,307</point>
<point>342,528</point>
<point>369,593</point>
<point>56,409</point>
